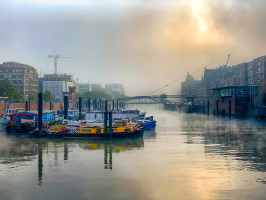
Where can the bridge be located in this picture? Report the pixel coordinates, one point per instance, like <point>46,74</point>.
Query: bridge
<point>159,99</point>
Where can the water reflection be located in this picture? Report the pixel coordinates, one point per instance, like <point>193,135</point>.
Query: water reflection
<point>241,140</point>
<point>40,164</point>
<point>149,135</point>
<point>186,157</point>
<point>21,149</point>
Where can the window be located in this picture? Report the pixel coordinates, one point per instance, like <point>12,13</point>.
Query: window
<point>2,76</point>
<point>83,130</point>
<point>7,70</point>
<point>7,76</point>
<point>1,70</point>
<point>13,76</point>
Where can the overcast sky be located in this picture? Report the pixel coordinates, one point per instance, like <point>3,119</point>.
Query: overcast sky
<point>141,44</point>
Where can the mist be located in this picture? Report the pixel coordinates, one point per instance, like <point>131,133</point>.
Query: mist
<point>141,45</point>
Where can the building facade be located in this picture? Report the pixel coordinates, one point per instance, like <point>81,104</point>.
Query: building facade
<point>84,87</point>
<point>115,89</point>
<point>58,85</point>
<point>21,76</point>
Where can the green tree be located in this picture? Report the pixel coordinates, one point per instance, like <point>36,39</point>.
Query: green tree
<point>34,97</point>
<point>48,96</point>
<point>100,94</point>
<point>12,93</point>
<point>4,86</point>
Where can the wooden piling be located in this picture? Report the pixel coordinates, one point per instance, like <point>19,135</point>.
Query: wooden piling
<point>65,107</point>
<point>80,107</point>
<point>110,124</point>
<point>40,113</point>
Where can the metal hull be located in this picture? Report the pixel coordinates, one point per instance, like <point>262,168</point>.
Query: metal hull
<point>135,133</point>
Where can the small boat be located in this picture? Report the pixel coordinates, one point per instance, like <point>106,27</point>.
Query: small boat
<point>147,124</point>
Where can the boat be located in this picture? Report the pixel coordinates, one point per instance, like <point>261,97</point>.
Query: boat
<point>89,132</point>
<point>147,124</point>
<point>120,114</point>
<point>23,123</point>
<point>3,122</point>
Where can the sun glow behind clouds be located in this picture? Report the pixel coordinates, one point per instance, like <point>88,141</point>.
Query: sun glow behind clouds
<point>197,9</point>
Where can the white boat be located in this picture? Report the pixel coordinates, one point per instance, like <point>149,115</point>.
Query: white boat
<point>122,114</point>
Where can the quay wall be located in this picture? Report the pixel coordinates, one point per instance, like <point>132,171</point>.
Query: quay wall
<point>33,106</point>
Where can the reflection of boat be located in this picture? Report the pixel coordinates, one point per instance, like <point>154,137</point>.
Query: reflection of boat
<point>119,145</point>
<point>149,134</point>
<point>91,133</point>
<point>3,122</point>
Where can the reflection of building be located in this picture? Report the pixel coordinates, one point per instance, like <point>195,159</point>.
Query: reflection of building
<point>240,144</point>
<point>25,150</point>
<point>58,85</point>
<point>23,77</point>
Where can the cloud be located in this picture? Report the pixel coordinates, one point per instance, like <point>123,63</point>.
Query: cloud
<point>143,45</point>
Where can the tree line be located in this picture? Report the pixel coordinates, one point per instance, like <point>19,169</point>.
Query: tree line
<point>6,90</point>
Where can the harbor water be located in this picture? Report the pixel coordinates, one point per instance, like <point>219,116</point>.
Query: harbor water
<point>187,156</point>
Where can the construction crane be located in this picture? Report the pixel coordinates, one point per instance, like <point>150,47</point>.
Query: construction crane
<point>228,57</point>
<point>55,56</point>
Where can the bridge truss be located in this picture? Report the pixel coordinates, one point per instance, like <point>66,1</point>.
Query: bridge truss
<point>160,99</point>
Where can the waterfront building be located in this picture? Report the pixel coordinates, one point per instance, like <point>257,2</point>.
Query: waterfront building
<point>191,86</point>
<point>259,70</point>
<point>95,87</point>
<point>21,76</point>
<point>84,87</point>
<point>238,100</point>
<point>115,89</point>
<point>241,77</point>
<point>58,85</point>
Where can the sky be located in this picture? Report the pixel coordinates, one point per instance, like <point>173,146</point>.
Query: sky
<point>143,44</point>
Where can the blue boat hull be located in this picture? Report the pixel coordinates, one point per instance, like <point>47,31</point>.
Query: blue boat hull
<point>149,125</point>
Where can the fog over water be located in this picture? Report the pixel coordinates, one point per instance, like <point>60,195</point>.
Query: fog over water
<point>141,44</point>
<point>188,156</point>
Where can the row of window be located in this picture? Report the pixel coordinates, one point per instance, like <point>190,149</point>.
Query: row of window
<point>16,82</point>
<point>9,70</point>
<point>9,76</point>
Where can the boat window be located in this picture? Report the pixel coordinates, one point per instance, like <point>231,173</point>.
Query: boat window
<point>98,130</point>
<point>86,130</point>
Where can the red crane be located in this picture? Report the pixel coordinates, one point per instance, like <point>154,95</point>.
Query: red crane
<point>55,56</point>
